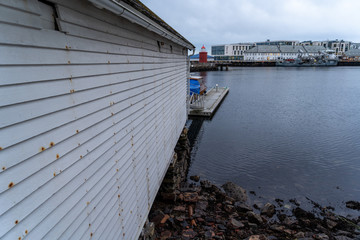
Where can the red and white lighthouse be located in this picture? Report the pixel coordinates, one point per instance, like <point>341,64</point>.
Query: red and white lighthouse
<point>203,55</point>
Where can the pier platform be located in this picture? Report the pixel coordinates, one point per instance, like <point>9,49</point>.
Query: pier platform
<point>208,104</point>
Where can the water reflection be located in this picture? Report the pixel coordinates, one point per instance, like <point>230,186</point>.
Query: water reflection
<point>285,133</point>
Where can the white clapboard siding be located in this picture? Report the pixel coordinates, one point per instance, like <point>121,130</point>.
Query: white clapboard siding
<point>89,118</point>
<point>20,18</point>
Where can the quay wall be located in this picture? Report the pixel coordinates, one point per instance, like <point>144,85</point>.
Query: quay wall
<point>92,106</point>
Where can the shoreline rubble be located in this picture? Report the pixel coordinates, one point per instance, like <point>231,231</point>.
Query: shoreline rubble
<point>205,211</point>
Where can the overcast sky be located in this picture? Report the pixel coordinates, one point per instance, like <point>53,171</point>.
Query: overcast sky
<point>211,22</point>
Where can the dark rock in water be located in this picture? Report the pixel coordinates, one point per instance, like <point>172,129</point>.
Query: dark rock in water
<point>268,210</point>
<point>254,218</point>
<point>344,233</point>
<point>294,201</point>
<point>289,221</point>
<point>256,206</point>
<point>236,224</point>
<point>301,213</point>
<point>330,224</point>
<point>353,205</point>
<point>195,178</point>
<point>242,207</point>
<point>321,236</point>
<point>206,184</point>
<point>235,191</point>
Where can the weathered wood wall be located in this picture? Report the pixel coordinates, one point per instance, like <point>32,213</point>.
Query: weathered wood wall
<point>91,109</point>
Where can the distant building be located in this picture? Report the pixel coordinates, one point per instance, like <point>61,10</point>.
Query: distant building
<point>273,53</point>
<point>278,42</point>
<point>355,46</point>
<point>353,54</point>
<point>203,55</point>
<point>306,43</point>
<point>339,46</point>
<point>233,51</point>
<point>262,53</point>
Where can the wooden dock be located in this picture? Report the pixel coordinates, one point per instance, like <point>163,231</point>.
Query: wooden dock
<point>209,102</point>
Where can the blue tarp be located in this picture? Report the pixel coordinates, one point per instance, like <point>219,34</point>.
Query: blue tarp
<point>194,86</point>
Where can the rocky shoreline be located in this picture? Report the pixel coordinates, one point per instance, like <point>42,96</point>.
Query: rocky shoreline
<point>205,211</point>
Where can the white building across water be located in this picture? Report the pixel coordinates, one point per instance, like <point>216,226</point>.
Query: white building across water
<point>272,52</point>
<point>93,101</point>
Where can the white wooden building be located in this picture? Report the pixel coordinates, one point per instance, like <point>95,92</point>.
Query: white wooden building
<point>93,100</point>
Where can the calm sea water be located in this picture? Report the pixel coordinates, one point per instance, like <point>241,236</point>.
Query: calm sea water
<point>285,133</point>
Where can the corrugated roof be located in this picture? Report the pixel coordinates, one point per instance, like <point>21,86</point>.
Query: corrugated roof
<point>314,49</point>
<point>264,49</point>
<point>353,53</point>
<point>291,49</point>
<point>285,49</point>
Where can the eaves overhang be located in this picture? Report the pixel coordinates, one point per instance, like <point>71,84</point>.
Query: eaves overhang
<point>154,24</point>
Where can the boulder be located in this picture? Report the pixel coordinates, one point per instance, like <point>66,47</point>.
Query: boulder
<point>235,191</point>
<point>353,205</point>
<point>242,207</point>
<point>236,224</point>
<point>254,218</point>
<point>268,210</point>
<point>195,178</point>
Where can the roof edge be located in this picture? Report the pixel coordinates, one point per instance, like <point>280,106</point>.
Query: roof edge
<point>126,11</point>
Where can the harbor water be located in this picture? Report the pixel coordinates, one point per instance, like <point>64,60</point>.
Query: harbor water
<point>286,133</point>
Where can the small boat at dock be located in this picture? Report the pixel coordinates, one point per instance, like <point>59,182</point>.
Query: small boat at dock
<point>197,85</point>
